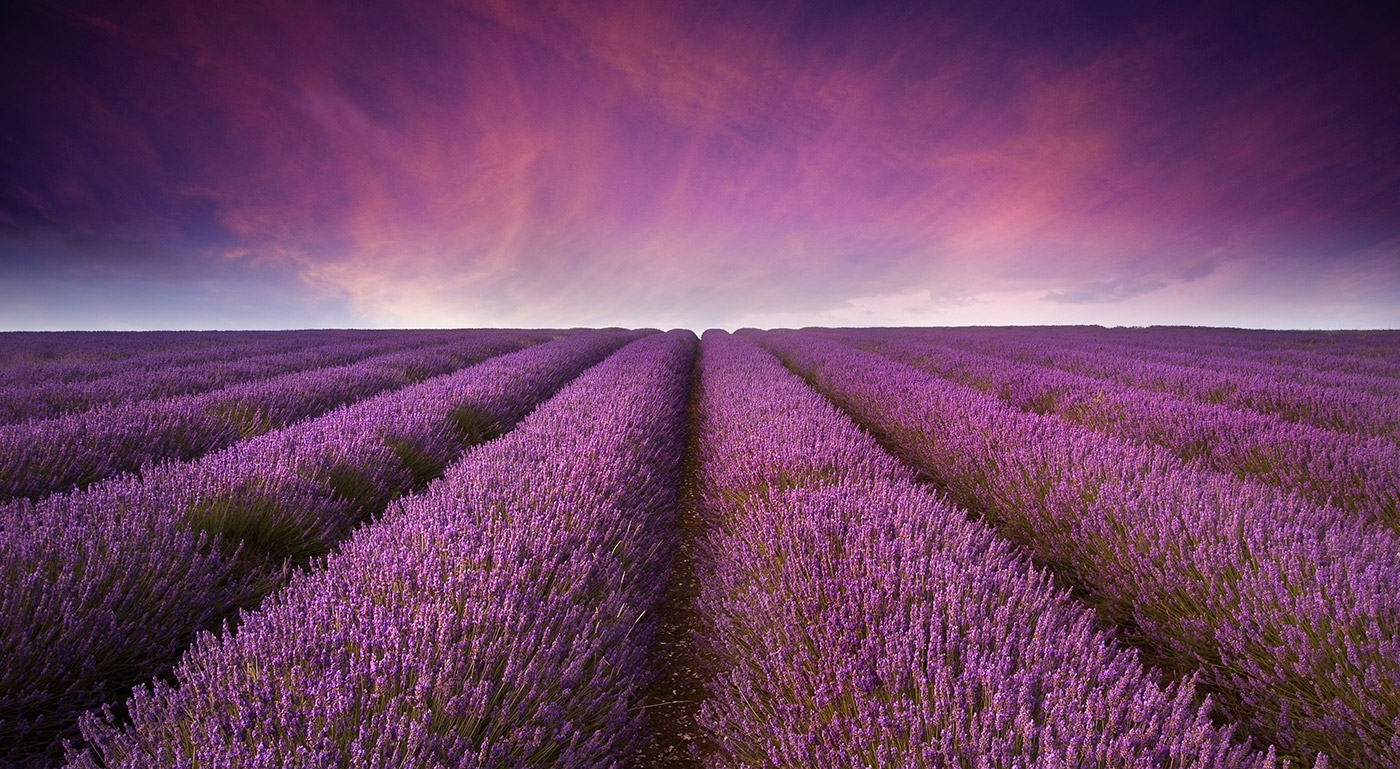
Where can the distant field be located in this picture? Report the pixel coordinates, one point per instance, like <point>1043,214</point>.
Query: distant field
<point>960,547</point>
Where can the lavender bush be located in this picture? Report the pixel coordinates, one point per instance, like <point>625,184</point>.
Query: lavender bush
<point>39,458</point>
<point>1373,353</point>
<point>1348,471</point>
<point>41,392</point>
<point>102,589</point>
<point>1289,612</point>
<point>858,620</point>
<point>76,355</point>
<point>1364,404</point>
<point>501,619</point>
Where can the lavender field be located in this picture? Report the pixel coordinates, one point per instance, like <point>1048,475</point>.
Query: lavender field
<point>915,547</point>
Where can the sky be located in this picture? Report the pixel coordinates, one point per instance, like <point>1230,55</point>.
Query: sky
<point>290,164</point>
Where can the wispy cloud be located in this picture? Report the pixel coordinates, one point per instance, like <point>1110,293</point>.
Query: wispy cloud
<point>1101,291</point>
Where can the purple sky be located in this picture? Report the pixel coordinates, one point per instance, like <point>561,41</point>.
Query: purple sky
<point>292,164</point>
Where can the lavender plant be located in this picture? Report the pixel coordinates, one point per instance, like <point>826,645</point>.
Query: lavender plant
<point>501,619</point>
<point>39,392</point>
<point>101,589</point>
<point>1349,471</point>
<point>858,620</point>
<point>79,355</point>
<point>1290,613</point>
<point>42,457</point>
<point>1357,403</point>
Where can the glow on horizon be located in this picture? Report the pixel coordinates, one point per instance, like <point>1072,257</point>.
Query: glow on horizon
<point>593,164</point>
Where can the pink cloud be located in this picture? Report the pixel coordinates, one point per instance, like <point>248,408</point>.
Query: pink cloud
<point>432,161</point>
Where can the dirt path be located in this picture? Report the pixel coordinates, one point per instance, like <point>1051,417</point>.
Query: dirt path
<point>674,698</point>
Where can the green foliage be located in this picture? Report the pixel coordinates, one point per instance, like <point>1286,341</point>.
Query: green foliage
<point>473,426</point>
<point>255,523</point>
<point>421,465</point>
<point>364,493</point>
<point>248,419</point>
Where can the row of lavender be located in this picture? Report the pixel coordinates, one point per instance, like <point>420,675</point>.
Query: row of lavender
<point>103,588</point>
<point>193,360</point>
<point>1352,472</point>
<point>41,392</point>
<point>1345,402</point>
<point>860,620</point>
<point>503,618</point>
<point>39,458</point>
<point>86,354</point>
<point>1288,612</point>
<point>1307,353</point>
<point>1232,376</point>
